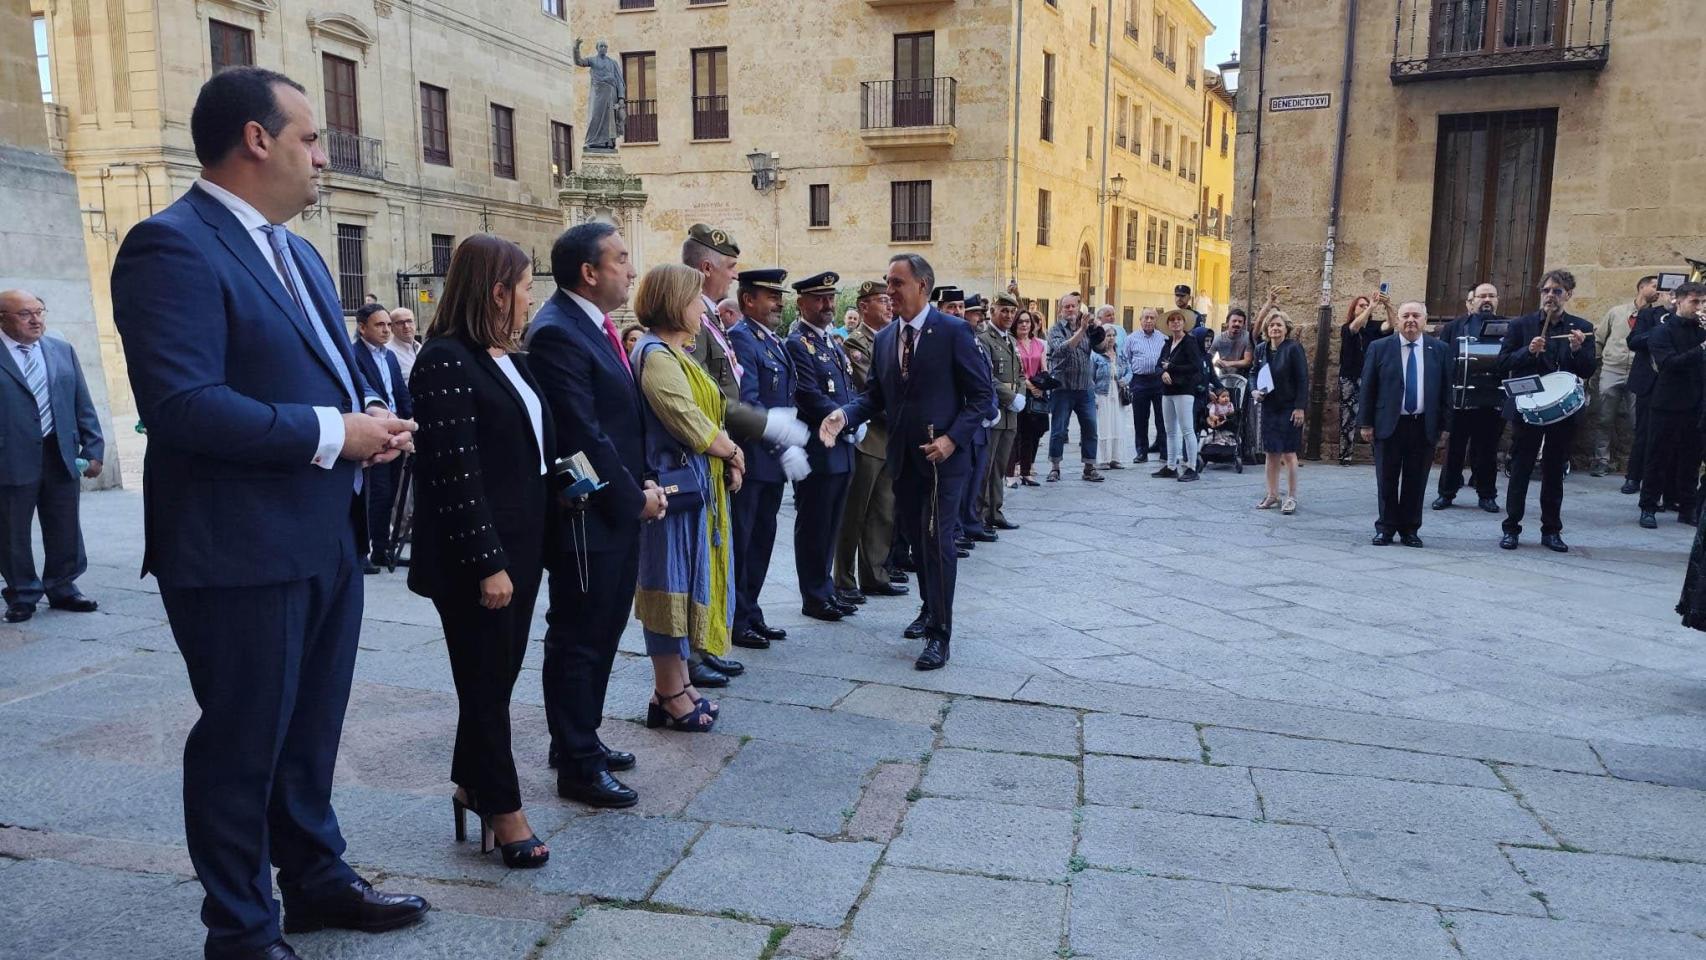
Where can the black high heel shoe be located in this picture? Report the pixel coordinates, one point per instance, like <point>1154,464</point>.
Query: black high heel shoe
<point>699,720</point>
<point>520,855</point>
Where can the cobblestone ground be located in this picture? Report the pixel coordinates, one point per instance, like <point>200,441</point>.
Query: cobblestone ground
<point>1174,727</point>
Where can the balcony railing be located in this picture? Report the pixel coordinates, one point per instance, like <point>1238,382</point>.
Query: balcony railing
<point>1119,140</point>
<point>1160,55</point>
<point>348,153</point>
<point>908,102</point>
<point>635,4</point>
<point>1191,80</point>
<point>1172,64</point>
<point>711,118</point>
<point>1440,39</point>
<point>642,124</point>
<point>1131,30</point>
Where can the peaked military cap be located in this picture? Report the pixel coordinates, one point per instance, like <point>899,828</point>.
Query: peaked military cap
<point>871,288</point>
<point>716,238</point>
<point>975,302</point>
<point>769,279</point>
<point>1005,299</point>
<point>818,283</point>
<point>948,295</point>
<point>1182,290</point>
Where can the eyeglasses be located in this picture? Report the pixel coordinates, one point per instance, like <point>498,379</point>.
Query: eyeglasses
<point>27,314</point>
<point>1554,291</point>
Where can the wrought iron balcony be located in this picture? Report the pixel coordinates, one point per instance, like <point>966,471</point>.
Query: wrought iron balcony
<point>1131,31</point>
<point>711,118</point>
<point>1160,55</point>
<point>1120,140</point>
<point>909,112</point>
<point>354,155</point>
<point>642,123</point>
<point>1449,39</point>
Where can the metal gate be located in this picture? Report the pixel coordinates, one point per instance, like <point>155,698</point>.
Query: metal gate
<point>421,293</point>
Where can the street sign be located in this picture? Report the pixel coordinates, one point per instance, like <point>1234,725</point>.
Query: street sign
<point>1302,101</point>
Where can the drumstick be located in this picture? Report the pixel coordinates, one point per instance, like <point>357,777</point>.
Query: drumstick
<point>1562,336</point>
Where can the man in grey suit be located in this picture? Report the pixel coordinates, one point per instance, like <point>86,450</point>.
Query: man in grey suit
<point>45,405</point>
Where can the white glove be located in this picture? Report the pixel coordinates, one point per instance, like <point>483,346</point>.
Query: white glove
<point>859,434</point>
<point>782,427</point>
<point>1018,404</point>
<point>794,464</point>
<point>989,423</point>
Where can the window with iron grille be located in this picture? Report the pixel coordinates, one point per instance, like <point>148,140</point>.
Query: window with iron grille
<point>343,112</point>
<point>639,77</point>
<point>230,45</point>
<point>1136,130</point>
<point>503,142</point>
<point>1044,216</point>
<point>819,205</point>
<point>1128,319</point>
<point>555,8</point>
<point>635,4</point>
<point>1179,250</point>
<point>1131,219</point>
<point>1149,243</point>
<point>1190,249</point>
<point>1047,132</point>
<point>435,124</point>
<point>711,93</point>
<point>909,211</point>
<point>442,245</point>
<point>562,149</point>
<point>1166,231</point>
<point>352,266</point>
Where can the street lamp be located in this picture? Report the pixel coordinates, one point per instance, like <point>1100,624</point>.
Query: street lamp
<point>1229,73</point>
<point>1116,187</point>
<point>763,170</point>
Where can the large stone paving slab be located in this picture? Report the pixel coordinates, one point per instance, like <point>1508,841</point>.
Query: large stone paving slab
<point>999,839</point>
<point>870,737</point>
<point>1673,766</point>
<point>610,855</point>
<point>919,914</point>
<point>1210,848</point>
<point>785,786</point>
<point>1434,868</point>
<point>1617,816</point>
<point>1249,749</point>
<point>1163,785</point>
<point>789,878</point>
<point>1140,737</point>
<point>1007,777</point>
<point>1371,804</point>
<point>47,906</point>
<point>1618,890</point>
<point>1127,917</point>
<point>609,934</point>
<point>443,936</point>
<point>1012,727</point>
<point>1487,937</point>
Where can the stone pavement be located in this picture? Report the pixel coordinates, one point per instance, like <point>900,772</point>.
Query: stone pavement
<point>1173,727</point>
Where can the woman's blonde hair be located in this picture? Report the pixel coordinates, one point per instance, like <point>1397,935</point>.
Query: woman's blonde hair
<point>666,291</point>
<point>1282,317</point>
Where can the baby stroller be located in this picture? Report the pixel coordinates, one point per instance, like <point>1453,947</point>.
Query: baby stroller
<point>1225,444</point>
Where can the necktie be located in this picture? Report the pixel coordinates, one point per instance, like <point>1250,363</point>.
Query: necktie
<point>35,374</point>
<point>1411,379</point>
<point>616,344</point>
<point>907,335</point>
<point>285,263</point>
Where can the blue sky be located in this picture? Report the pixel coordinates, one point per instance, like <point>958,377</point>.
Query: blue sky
<point>1225,14</point>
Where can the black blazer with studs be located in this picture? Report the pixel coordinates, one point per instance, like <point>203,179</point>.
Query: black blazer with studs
<point>481,505</point>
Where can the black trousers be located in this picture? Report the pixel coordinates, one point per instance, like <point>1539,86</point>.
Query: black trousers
<point>754,522</point>
<point>1673,460</point>
<point>819,501</point>
<point>583,626</point>
<point>926,501</point>
<point>56,498</point>
<point>1401,464</point>
<point>1636,474</point>
<point>270,667</point>
<point>380,488</point>
<point>1526,442</point>
<point>1033,426</point>
<point>1145,406</point>
<point>486,649</point>
<point>1475,436</point>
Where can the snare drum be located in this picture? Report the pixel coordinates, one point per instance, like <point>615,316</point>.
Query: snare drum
<point>1561,396</point>
<point>1475,378</point>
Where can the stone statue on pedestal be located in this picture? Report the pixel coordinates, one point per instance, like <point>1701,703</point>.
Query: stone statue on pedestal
<point>607,108</point>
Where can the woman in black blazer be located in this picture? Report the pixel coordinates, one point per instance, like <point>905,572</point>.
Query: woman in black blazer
<point>1282,384</point>
<point>481,508</point>
<point>1181,372</point>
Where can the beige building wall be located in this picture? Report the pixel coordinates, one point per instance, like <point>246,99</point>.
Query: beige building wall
<point>126,73</point>
<point>797,93</point>
<point>1214,244</point>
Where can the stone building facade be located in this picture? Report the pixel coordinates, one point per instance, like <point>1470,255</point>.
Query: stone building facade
<point>440,121</point>
<point>1214,240</point>
<point>972,131</point>
<point>1483,142</point>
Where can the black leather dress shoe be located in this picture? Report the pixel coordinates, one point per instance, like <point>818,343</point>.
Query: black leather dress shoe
<point>1508,542</point>
<point>906,564</point>
<point>768,632</point>
<point>751,641</point>
<point>965,543</point>
<point>1409,540</point>
<point>729,668</point>
<point>1649,520</point>
<point>898,577</point>
<point>598,790</point>
<point>825,612</point>
<point>369,569</point>
<point>355,907</point>
<point>985,536</point>
<point>76,603</point>
<point>19,612</point>
<point>277,950</point>
<point>705,675</point>
<point>1443,503</point>
<point>935,655</point>
<point>1004,525</point>
<point>1554,542</point>
<point>915,629</point>
<point>849,598</point>
<point>1629,487</point>
<point>847,609</point>
<point>1489,504</point>
<point>616,759</point>
<point>886,590</point>
<point>1382,539</point>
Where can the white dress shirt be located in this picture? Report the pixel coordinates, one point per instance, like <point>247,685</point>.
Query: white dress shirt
<point>382,361</point>
<point>529,399</point>
<point>331,418</point>
<point>1421,353</point>
<point>404,351</point>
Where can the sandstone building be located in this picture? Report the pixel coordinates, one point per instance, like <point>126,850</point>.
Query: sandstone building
<point>972,131</point>
<point>1484,140</point>
<point>440,121</point>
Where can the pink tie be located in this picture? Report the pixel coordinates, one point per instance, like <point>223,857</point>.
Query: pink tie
<point>616,344</point>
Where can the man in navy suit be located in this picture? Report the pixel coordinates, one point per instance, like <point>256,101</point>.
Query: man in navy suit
<point>823,381</point>
<point>1406,407</point>
<point>259,422</point>
<point>929,380</point>
<point>43,403</point>
<point>585,378</point>
<point>384,374</point>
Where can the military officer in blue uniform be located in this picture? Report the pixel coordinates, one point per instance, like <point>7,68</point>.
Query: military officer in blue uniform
<point>766,381</point>
<point>824,381</point>
<point>972,528</point>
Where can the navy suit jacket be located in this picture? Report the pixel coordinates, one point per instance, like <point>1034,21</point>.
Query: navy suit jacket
<point>766,380</point>
<point>75,424</point>
<point>226,373</point>
<point>403,405</point>
<point>948,388</point>
<point>596,407</point>
<point>1643,375</point>
<point>1382,399</point>
<point>823,380</point>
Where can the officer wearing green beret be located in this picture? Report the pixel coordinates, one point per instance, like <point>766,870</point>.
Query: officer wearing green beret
<point>867,527</point>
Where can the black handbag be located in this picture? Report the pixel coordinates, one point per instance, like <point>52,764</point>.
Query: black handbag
<point>1125,393</point>
<point>682,486</point>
